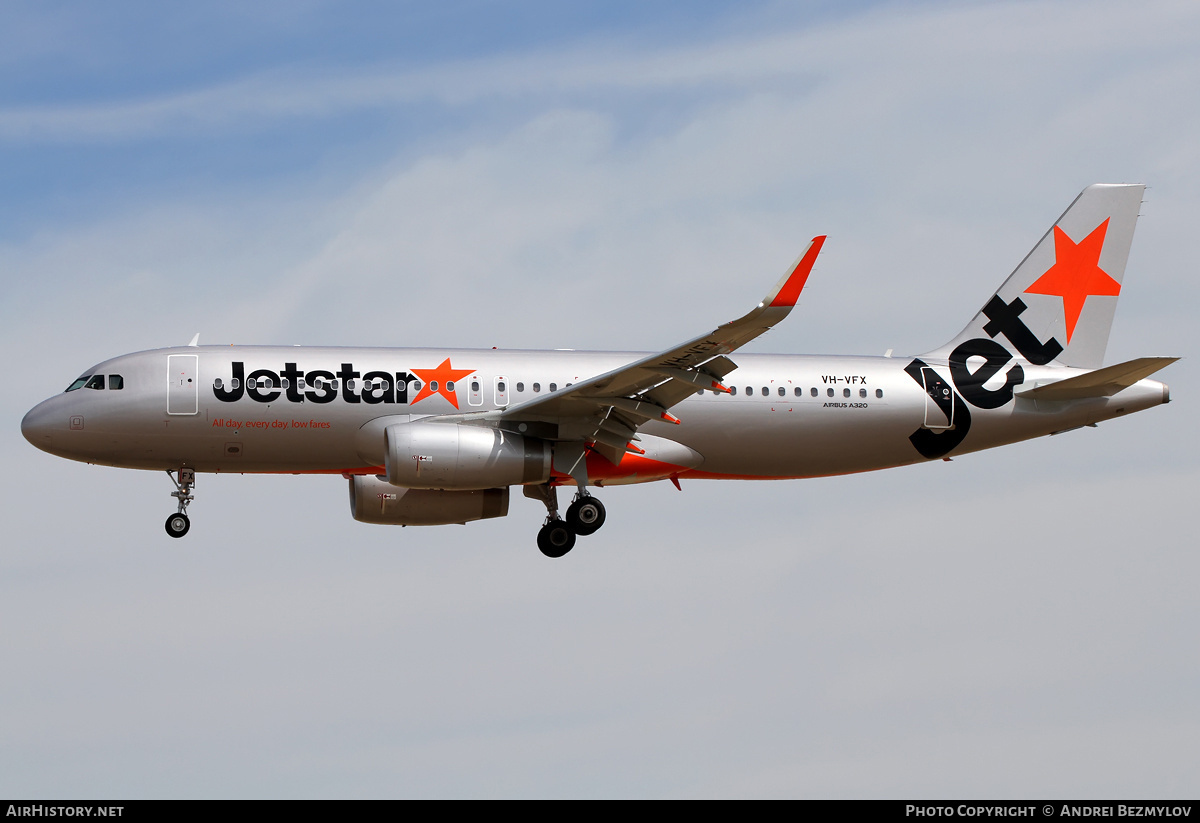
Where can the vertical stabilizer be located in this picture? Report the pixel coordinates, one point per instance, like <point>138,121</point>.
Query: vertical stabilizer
<point>1064,293</point>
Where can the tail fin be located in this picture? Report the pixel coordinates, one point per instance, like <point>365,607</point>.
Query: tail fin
<point>1058,304</point>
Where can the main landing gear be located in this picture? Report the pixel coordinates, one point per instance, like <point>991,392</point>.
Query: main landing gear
<point>585,515</point>
<point>178,524</point>
<point>557,536</point>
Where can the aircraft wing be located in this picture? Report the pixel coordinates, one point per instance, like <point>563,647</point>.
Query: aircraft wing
<point>607,410</point>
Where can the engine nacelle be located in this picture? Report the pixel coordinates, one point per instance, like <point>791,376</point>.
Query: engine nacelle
<point>423,455</point>
<point>376,501</point>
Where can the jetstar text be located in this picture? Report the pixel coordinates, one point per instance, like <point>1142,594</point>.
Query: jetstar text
<point>317,386</point>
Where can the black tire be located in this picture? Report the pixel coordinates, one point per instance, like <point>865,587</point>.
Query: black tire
<point>585,516</point>
<point>555,539</point>
<point>178,525</point>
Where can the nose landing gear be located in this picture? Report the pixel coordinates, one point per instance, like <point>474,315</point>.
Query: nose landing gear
<point>177,525</point>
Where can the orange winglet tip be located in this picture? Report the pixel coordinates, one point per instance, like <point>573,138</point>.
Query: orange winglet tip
<point>789,293</point>
<point>670,418</point>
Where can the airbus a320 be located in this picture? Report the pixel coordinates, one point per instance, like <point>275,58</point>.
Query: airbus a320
<point>431,436</point>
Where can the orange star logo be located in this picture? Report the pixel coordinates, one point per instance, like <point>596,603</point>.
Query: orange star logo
<point>1076,274</point>
<point>440,381</point>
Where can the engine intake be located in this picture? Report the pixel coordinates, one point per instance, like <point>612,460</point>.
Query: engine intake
<point>424,455</point>
<point>373,500</point>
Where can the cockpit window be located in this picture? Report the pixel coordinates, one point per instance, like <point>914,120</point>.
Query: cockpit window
<point>97,382</point>
<point>78,384</point>
<point>116,381</point>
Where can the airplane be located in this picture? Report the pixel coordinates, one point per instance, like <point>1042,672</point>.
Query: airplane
<point>440,436</point>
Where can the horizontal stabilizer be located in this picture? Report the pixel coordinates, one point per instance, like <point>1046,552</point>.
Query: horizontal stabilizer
<point>1100,383</point>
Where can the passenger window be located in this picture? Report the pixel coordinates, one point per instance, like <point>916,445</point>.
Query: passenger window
<point>285,383</point>
<point>449,385</point>
<point>553,387</point>
<point>500,387</point>
<point>349,385</point>
<point>433,385</point>
<point>733,391</point>
<point>782,391</point>
<point>799,391</point>
<point>829,392</point>
<point>879,392</point>
<point>234,383</point>
<point>766,391</point>
<point>537,387</point>
<point>474,385</point>
<point>845,392</point>
<point>97,382</point>
<point>218,384</point>
<point>116,381</point>
<point>749,391</point>
<point>862,392</point>
<point>300,385</point>
<point>520,387</point>
<point>813,392</point>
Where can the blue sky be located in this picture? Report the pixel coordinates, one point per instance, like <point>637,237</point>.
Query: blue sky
<point>593,175</point>
<point>72,57</point>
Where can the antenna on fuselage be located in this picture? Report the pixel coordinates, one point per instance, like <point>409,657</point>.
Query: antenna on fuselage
<point>195,340</point>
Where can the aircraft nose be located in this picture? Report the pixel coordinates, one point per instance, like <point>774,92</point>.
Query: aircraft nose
<point>36,426</point>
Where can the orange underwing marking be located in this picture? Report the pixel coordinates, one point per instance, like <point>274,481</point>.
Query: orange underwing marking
<point>632,465</point>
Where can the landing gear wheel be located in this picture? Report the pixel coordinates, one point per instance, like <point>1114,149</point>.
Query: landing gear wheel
<point>586,515</point>
<point>178,525</point>
<point>555,539</point>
